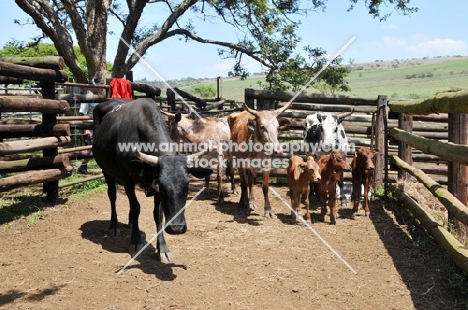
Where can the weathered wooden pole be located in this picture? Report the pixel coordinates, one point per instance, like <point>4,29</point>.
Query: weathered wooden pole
<point>405,152</point>
<point>30,73</point>
<point>44,62</point>
<point>50,188</point>
<point>457,173</point>
<point>39,163</point>
<point>34,130</point>
<point>171,99</point>
<point>49,106</point>
<point>381,159</point>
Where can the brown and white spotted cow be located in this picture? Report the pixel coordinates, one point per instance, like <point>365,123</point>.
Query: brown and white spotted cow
<point>211,131</point>
<point>363,170</point>
<point>300,173</point>
<point>254,135</point>
<point>331,165</point>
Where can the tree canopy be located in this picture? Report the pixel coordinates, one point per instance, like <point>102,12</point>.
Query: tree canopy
<point>267,33</point>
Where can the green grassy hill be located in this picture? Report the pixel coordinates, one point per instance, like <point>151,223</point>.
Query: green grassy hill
<point>398,79</point>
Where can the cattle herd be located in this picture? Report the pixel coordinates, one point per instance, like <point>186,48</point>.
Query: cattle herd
<point>133,143</point>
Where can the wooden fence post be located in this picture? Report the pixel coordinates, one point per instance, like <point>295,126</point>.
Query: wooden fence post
<point>381,158</point>
<point>248,99</point>
<point>457,173</point>
<point>51,188</point>
<point>405,152</point>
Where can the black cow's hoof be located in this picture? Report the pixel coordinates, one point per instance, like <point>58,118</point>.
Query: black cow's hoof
<point>165,257</point>
<point>133,249</point>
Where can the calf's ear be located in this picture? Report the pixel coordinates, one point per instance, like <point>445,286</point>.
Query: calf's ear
<point>299,169</point>
<point>199,173</point>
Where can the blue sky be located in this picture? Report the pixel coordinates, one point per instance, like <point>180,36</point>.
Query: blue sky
<point>436,30</point>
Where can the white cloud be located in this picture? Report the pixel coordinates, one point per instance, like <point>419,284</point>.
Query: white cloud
<point>436,46</point>
<point>393,42</point>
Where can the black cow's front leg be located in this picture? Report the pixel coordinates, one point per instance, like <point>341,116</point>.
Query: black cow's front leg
<point>163,252</point>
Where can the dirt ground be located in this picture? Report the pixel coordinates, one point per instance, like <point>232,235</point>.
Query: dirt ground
<point>224,261</point>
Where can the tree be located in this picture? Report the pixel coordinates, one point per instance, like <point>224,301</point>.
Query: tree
<point>267,26</point>
<point>42,49</point>
<point>204,90</point>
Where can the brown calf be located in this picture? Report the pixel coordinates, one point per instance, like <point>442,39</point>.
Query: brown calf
<point>363,169</point>
<point>330,167</point>
<point>300,173</point>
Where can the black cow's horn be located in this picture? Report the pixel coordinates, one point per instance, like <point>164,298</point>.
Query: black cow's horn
<point>149,159</point>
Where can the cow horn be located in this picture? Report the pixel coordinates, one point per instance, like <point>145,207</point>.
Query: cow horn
<point>346,114</point>
<point>251,111</point>
<point>168,114</point>
<point>149,159</point>
<point>281,110</point>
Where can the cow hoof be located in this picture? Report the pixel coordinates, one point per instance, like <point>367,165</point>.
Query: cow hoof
<point>114,232</point>
<point>220,200</point>
<point>252,206</point>
<point>269,214</point>
<point>165,257</point>
<point>133,249</point>
<point>367,214</point>
<point>353,216</point>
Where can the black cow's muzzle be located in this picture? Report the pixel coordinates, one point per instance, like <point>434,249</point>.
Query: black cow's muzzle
<point>176,229</point>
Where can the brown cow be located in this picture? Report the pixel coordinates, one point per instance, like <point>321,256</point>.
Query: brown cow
<point>330,167</point>
<point>300,173</point>
<point>253,129</point>
<point>210,130</point>
<point>363,170</point>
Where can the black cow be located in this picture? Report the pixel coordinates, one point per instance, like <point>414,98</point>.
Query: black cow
<point>162,174</point>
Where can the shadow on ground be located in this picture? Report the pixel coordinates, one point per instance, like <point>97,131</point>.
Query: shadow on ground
<point>97,232</point>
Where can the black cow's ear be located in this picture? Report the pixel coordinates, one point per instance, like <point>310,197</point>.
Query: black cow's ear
<point>177,117</point>
<point>199,173</point>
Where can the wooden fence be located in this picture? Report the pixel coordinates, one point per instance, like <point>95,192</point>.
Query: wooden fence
<point>51,166</point>
<point>452,148</point>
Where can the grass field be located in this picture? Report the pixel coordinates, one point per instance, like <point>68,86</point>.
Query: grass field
<point>398,79</point>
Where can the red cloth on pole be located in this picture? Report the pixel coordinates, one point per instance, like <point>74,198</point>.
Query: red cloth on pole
<point>121,88</point>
